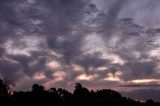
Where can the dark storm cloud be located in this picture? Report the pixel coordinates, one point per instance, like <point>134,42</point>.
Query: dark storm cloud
<point>113,11</point>
<point>10,69</point>
<point>65,15</point>
<point>68,45</point>
<point>139,11</point>
<point>138,70</point>
<point>91,61</point>
<point>25,61</point>
<point>7,18</point>
<point>1,51</point>
<point>47,17</point>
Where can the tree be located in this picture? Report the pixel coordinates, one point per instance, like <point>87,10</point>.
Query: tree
<point>150,102</point>
<point>3,88</point>
<point>81,94</point>
<point>37,88</point>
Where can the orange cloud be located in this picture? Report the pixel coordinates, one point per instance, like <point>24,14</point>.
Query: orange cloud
<point>39,76</point>
<point>53,65</point>
<point>86,77</point>
<point>142,81</point>
<point>111,77</point>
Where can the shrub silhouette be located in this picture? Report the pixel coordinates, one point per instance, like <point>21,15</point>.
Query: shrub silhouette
<point>38,96</point>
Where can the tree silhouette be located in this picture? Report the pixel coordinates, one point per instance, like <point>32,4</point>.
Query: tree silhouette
<point>39,96</point>
<point>37,88</point>
<point>3,88</point>
<point>81,93</point>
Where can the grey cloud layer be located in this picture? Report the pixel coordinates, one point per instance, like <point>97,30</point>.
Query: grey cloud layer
<point>145,94</point>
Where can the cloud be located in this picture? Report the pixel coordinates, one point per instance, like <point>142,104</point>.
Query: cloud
<point>91,61</point>
<point>139,85</point>
<point>139,11</point>
<point>10,69</point>
<point>134,70</point>
<point>113,11</point>
<point>143,94</point>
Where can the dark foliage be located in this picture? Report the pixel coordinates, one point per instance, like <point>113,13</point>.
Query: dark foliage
<point>61,97</point>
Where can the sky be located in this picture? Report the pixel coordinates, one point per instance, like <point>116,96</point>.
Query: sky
<point>111,44</point>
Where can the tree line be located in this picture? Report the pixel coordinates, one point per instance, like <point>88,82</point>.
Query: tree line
<point>81,96</point>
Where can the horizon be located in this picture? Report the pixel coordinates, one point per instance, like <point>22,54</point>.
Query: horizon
<point>144,99</point>
<point>60,97</point>
<point>98,43</point>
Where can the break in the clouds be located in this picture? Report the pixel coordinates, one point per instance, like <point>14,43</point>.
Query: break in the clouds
<point>100,43</point>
